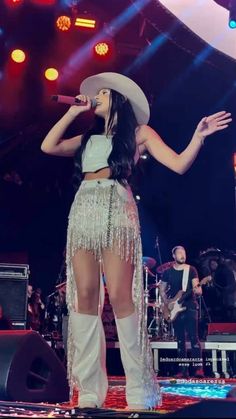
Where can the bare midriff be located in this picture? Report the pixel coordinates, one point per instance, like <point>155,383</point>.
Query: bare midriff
<point>100,174</point>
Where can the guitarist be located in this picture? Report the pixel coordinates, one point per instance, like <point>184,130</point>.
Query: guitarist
<point>181,276</point>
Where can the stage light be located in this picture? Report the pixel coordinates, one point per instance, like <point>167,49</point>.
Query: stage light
<point>51,74</point>
<point>63,23</point>
<point>85,23</point>
<point>232,21</point>
<point>102,48</point>
<point>18,55</point>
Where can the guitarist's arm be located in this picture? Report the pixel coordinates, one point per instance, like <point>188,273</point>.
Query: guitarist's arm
<point>197,289</point>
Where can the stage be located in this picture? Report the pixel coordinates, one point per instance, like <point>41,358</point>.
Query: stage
<point>176,395</point>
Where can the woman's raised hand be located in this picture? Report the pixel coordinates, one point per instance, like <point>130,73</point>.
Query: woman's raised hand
<point>77,109</point>
<point>216,122</point>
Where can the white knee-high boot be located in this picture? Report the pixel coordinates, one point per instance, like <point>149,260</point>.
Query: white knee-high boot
<point>136,394</point>
<point>89,363</point>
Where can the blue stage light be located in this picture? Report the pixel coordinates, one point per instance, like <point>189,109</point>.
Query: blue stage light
<point>232,23</point>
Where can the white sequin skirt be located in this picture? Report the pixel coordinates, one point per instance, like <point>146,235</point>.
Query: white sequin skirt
<point>104,215</point>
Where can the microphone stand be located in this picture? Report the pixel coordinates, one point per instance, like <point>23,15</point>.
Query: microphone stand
<point>146,293</point>
<point>157,246</point>
<point>202,302</point>
<point>166,331</point>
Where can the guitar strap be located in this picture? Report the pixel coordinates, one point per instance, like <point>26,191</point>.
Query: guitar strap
<point>185,278</point>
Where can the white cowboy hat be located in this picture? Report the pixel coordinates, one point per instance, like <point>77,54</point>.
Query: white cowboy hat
<point>122,84</point>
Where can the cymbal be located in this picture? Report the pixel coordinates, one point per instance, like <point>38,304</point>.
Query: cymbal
<point>211,251</point>
<point>149,262</point>
<point>162,268</point>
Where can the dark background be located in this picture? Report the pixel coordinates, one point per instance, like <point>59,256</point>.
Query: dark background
<point>184,80</point>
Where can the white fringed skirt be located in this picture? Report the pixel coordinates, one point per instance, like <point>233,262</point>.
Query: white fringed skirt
<point>104,215</point>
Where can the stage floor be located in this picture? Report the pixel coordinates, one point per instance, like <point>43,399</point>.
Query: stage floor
<point>176,394</point>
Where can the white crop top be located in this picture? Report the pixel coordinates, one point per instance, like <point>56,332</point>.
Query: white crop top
<point>97,152</point>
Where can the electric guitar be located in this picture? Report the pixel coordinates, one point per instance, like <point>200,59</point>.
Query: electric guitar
<point>173,306</point>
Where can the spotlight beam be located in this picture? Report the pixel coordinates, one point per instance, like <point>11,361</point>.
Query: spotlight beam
<point>148,52</point>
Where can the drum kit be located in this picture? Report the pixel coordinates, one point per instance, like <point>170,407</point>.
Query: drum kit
<point>158,327</point>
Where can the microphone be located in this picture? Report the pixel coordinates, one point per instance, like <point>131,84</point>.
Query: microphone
<point>69,100</point>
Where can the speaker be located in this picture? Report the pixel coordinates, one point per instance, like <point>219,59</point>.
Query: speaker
<point>215,409</point>
<point>30,371</point>
<point>13,298</point>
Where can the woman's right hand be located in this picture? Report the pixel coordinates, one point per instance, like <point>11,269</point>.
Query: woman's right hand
<point>77,109</point>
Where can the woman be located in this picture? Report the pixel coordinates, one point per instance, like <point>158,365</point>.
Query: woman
<point>104,227</point>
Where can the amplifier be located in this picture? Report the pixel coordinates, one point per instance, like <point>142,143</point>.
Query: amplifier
<point>12,270</point>
<point>13,299</point>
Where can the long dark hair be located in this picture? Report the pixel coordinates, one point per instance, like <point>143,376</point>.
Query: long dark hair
<point>121,159</point>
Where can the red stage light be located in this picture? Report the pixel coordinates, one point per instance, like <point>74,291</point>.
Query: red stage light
<point>102,48</point>
<point>18,56</point>
<point>51,74</point>
<point>63,23</point>
<point>16,64</point>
